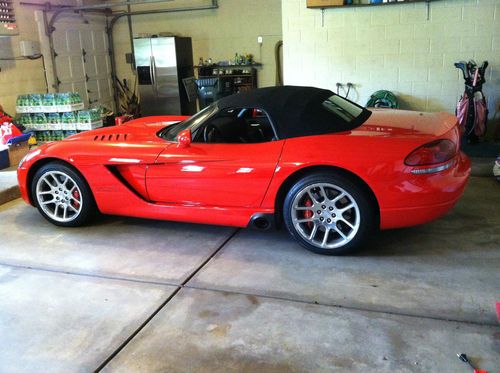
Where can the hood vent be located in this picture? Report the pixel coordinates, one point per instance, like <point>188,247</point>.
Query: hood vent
<point>118,137</point>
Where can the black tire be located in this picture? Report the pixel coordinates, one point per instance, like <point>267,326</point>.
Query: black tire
<point>361,217</point>
<point>85,205</point>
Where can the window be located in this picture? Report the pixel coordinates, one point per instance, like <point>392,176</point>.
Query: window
<point>345,110</point>
<point>236,126</point>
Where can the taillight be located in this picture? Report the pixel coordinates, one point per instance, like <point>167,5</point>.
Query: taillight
<point>432,153</point>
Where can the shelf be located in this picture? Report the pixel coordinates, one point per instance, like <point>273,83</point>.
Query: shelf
<point>247,75</point>
<point>367,5</point>
<point>256,64</point>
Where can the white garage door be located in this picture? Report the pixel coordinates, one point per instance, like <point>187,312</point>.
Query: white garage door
<point>82,58</point>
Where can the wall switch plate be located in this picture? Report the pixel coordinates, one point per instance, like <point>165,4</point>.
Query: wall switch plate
<point>260,39</point>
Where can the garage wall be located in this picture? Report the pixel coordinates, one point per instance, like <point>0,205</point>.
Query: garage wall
<point>218,34</point>
<point>394,47</point>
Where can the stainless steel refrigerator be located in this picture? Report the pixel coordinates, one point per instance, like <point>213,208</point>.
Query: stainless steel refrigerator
<point>162,63</point>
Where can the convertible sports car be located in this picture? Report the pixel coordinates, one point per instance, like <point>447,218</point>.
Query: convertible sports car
<point>330,170</point>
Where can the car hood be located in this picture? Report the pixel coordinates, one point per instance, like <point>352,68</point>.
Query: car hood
<point>387,122</point>
<point>132,132</point>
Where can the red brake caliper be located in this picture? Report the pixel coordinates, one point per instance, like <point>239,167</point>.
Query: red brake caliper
<point>308,213</point>
<point>77,196</point>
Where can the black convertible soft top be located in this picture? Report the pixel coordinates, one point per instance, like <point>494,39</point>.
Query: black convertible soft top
<point>296,111</point>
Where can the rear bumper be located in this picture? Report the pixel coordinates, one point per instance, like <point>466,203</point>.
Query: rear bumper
<point>437,193</point>
<point>410,216</point>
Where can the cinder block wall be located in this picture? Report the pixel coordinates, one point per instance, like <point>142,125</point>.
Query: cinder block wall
<point>218,34</point>
<point>394,47</point>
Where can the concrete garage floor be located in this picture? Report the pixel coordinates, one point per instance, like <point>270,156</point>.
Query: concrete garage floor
<point>136,295</point>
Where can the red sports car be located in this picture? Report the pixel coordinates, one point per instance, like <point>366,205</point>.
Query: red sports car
<point>330,170</point>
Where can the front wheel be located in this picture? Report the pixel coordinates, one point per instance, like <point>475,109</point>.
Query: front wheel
<point>62,196</point>
<point>329,214</point>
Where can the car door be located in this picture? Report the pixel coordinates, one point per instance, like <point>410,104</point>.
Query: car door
<point>219,175</point>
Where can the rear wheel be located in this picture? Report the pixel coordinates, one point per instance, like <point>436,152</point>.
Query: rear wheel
<point>329,213</point>
<point>62,196</point>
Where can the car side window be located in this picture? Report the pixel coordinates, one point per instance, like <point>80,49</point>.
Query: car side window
<point>236,126</point>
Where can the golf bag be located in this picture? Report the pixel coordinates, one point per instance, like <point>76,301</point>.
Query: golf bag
<point>472,110</point>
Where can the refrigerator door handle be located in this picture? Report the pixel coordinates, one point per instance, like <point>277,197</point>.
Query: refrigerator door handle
<point>153,73</point>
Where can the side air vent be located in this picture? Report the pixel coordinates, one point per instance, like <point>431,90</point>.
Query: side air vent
<point>116,137</point>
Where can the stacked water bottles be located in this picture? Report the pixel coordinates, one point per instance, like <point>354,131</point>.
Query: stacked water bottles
<point>54,116</point>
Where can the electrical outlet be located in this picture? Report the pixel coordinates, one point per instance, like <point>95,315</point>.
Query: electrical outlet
<point>260,39</point>
<point>129,58</point>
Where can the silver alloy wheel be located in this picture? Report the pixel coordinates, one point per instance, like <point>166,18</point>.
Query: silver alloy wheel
<point>325,215</point>
<point>59,196</point>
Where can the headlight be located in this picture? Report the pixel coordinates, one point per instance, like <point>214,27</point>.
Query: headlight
<point>28,156</point>
<point>22,160</point>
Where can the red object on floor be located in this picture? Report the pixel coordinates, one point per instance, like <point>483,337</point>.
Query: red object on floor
<point>479,371</point>
<point>498,311</point>
<point>121,120</point>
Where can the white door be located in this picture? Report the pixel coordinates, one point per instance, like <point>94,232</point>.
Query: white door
<point>82,62</point>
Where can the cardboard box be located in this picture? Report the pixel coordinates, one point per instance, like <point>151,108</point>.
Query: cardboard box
<point>17,151</point>
<point>323,3</point>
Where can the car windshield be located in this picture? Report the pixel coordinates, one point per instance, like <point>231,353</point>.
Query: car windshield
<point>170,133</point>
